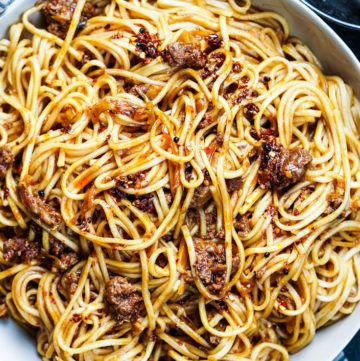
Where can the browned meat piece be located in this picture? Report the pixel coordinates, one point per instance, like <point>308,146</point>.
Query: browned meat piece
<point>148,90</point>
<point>214,42</point>
<point>57,247</point>
<point>6,160</point>
<point>145,202</point>
<point>122,300</point>
<point>38,206</point>
<point>210,264</point>
<point>281,167</point>
<point>60,258</point>
<point>335,200</point>
<point>234,184</point>
<point>209,117</point>
<point>235,264</point>
<point>72,280</point>
<point>185,54</point>
<point>148,43</point>
<point>59,13</point>
<point>20,250</point>
<point>66,260</point>
<point>236,67</point>
<point>202,193</point>
<point>242,224</point>
<point>201,196</point>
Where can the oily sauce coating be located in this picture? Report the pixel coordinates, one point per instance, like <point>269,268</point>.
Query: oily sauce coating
<point>59,13</point>
<point>122,300</point>
<point>281,167</point>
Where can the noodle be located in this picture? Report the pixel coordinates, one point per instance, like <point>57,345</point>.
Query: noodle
<point>178,181</point>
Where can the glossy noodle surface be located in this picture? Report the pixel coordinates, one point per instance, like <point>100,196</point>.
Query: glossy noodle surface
<point>179,180</point>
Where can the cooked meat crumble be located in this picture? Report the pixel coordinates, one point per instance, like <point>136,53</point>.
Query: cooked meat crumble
<point>242,224</point>
<point>6,160</point>
<point>211,229</point>
<point>185,54</point>
<point>281,167</point>
<point>59,13</point>
<point>37,205</point>
<point>20,250</point>
<point>214,42</point>
<point>202,193</point>
<point>64,257</point>
<point>234,184</point>
<point>210,264</point>
<point>122,300</point>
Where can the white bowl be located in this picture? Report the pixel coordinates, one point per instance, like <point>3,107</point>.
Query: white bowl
<point>336,58</point>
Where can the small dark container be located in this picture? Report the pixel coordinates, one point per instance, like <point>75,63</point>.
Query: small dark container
<point>342,12</point>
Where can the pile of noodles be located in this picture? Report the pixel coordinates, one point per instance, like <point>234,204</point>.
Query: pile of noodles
<point>75,128</point>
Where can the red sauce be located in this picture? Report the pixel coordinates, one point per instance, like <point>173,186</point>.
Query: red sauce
<point>81,182</point>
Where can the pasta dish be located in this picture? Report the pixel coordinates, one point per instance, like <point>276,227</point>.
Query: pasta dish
<point>179,180</point>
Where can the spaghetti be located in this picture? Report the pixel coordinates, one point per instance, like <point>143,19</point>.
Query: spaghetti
<point>179,180</point>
